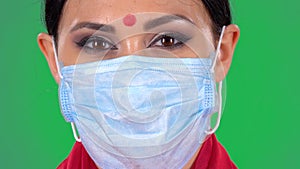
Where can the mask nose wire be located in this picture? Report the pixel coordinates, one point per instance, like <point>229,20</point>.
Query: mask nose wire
<point>77,138</point>
<point>211,131</point>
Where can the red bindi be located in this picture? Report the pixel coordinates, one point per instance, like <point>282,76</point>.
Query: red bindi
<point>129,20</point>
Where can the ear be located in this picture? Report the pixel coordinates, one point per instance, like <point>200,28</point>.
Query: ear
<point>229,41</point>
<point>45,43</point>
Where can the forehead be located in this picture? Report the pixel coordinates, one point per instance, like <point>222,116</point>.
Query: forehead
<point>107,11</point>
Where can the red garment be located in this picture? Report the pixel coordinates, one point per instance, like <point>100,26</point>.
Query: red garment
<point>211,156</point>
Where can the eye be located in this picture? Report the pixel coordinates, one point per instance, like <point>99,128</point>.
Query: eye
<point>169,40</point>
<point>96,44</point>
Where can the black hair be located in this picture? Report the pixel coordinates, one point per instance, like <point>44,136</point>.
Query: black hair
<point>220,14</point>
<point>218,10</point>
<point>52,15</point>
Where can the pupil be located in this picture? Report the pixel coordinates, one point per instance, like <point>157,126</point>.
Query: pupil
<point>99,45</point>
<point>167,41</point>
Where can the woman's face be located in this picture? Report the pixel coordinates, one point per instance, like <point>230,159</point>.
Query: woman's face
<point>91,30</point>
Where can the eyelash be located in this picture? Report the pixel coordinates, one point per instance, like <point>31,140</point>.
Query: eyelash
<point>180,38</point>
<point>84,43</point>
<point>177,39</point>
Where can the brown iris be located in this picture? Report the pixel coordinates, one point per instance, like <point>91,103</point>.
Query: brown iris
<point>167,41</point>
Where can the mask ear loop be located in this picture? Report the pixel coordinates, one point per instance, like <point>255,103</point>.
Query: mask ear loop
<point>211,131</point>
<point>77,138</point>
<point>56,59</point>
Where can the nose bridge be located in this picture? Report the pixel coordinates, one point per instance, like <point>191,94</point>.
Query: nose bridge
<point>132,45</point>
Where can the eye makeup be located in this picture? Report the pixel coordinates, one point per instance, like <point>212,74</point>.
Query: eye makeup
<point>94,43</point>
<point>169,40</point>
<point>98,42</point>
<point>166,33</point>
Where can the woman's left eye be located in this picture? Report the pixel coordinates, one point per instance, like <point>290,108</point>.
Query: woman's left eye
<point>170,40</point>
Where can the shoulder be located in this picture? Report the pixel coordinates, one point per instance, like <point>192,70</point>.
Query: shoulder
<point>213,156</point>
<point>78,159</point>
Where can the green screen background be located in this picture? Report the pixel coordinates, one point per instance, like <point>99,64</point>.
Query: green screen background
<point>260,126</point>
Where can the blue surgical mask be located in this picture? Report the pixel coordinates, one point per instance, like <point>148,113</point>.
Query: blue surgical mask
<point>140,112</point>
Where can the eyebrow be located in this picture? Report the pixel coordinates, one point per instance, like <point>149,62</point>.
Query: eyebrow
<point>148,25</point>
<point>94,26</point>
<point>165,19</point>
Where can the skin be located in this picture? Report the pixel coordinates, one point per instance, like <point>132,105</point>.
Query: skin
<point>112,12</point>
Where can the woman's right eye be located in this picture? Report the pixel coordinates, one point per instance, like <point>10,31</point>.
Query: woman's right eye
<point>96,44</point>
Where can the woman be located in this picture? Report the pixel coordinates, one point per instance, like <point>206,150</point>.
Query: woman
<point>138,80</point>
